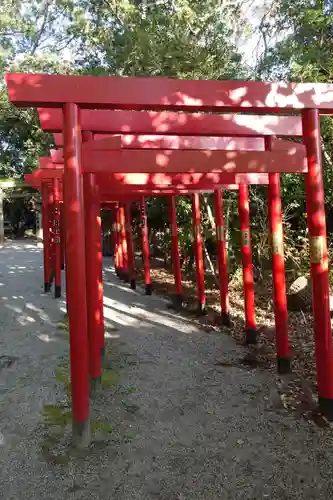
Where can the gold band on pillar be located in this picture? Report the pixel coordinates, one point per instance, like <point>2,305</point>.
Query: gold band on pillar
<point>245,237</point>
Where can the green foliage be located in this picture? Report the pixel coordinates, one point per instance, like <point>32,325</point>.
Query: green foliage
<point>180,38</point>
<point>304,29</point>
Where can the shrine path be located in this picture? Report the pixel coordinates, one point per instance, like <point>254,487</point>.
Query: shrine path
<point>183,426</point>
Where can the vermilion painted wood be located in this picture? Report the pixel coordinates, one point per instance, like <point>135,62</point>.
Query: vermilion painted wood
<point>222,258</point>
<point>114,92</point>
<point>246,251</point>
<point>57,237</point>
<point>111,142</point>
<point>123,240</point>
<point>118,185</point>
<point>175,258</point>
<point>319,262</point>
<point>38,177</point>
<point>95,313</point>
<point>113,227</point>
<point>195,142</point>
<point>62,236</point>
<point>169,123</point>
<point>56,155</point>
<point>145,246</point>
<point>92,247</point>
<point>118,191</point>
<point>50,215</point>
<point>278,270</point>
<point>203,181</point>
<point>130,246</point>
<point>199,263</point>
<point>116,239</point>
<point>119,248</point>
<point>192,161</point>
<point>76,282</point>
<point>184,143</point>
<point>46,236</point>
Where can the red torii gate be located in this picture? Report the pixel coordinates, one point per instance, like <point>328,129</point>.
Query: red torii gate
<point>294,151</point>
<point>72,92</point>
<point>40,180</point>
<point>283,354</point>
<point>184,187</point>
<point>246,130</point>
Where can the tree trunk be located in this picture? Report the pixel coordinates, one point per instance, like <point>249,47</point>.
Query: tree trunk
<point>210,264</point>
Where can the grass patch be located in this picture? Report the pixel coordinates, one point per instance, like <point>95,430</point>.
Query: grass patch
<point>57,415</point>
<point>62,326</point>
<point>129,437</point>
<point>101,427</point>
<point>109,377</point>
<point>62,374</point>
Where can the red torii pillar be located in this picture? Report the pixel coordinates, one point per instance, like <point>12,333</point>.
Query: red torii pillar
<point>319,261</point>
<point>62,236</point>
<point>76,269</point>
<point>113,233</point>
<point>46,237</point>
<point>221,257</point>
<point>123,242</point>
<point>57,238</point>
<point>199,271</point>
<point>51,234</point>
<point>93,273</point>
<point>145,246</point>
<point>175,258</point>
<point>246,251</point>
<point>119,251</point>
<point>115,239</point>
<point>278,270</point>
<point>63,219</point>
<point>130,246</point>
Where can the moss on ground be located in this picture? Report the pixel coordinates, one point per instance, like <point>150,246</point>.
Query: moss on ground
<point>57,418</point>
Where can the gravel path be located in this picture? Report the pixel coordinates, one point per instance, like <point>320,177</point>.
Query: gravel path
<point>184,426</point>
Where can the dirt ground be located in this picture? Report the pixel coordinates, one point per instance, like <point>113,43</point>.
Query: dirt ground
<point>298,392</point>
<point>179,415</point>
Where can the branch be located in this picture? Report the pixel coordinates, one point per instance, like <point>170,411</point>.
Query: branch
<point>326,155</point>
<point>209,213</point>
<point>210,264</point>
<point>42,29</point>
